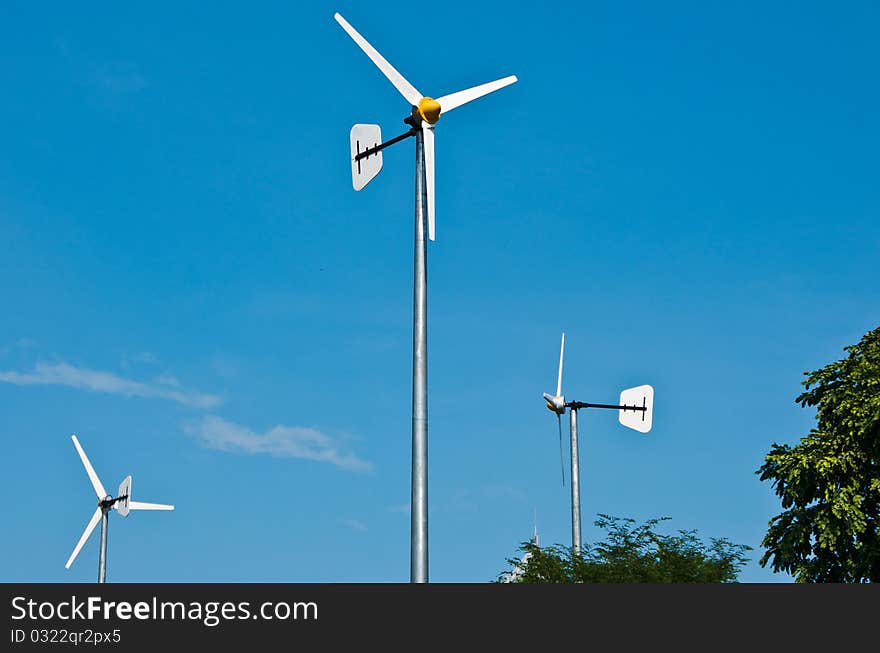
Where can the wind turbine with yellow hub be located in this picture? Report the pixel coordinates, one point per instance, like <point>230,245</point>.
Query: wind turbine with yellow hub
<point>426,112</point>
<point>366,162</point>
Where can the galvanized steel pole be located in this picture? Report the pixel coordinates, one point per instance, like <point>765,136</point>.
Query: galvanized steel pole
<point>102,556</point>
<point>575,485</point>
<point>419,496</point>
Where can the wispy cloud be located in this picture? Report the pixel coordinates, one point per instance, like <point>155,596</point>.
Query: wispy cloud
<point>99,381</point>
<point>280,441</point>
<point>355,525</point>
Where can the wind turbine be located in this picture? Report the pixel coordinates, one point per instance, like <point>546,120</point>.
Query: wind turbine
<point>366,162</point>
<point>122,503</point>
<point>519,569</point>
<point>635,411</point>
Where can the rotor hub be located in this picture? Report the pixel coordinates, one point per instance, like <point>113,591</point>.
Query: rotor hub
<point>429,110</point>
<point>555,403</point>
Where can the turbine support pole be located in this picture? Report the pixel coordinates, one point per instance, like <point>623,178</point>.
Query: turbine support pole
<point>102,556</point>
<point>419,496</point>
<point>575,485</point>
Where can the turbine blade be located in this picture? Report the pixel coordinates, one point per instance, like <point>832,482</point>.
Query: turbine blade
<point>403,87</point>
<point>140,505</point>
<point>96,517</point>
<point>559,378</point>
<point>561,456</point>
<point>428,138</point>
<point>93,477</point>
<point>455,100</point>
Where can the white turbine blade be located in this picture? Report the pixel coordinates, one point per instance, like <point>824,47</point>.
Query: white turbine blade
<point>79,545</point>
<point>140,505</point>
<point>559,378</point>
<point>428,133</point>
<point>455,100</point>
<point>93,477</point>
<point>406,89</point>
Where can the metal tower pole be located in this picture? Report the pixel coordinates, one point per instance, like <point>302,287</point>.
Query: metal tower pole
<point>575,485</point>
<point>102,556</point>
<point>419,498</point>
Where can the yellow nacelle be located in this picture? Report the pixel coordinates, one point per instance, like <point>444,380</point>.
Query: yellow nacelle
<point>429,110</point>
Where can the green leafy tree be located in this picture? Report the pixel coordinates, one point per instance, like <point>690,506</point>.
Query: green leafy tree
<point>829,483</point>
<point>631,553</point>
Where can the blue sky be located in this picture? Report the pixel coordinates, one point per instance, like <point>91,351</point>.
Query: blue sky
<point>192,287</point>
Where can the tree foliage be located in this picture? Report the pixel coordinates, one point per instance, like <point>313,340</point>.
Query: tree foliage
<point>632,553</point>
<point>829,483</point>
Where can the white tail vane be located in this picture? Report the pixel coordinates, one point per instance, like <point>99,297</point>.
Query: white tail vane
<point>454,100</point>
<point>428,134</point>
<point>123,497</point>
<point>407,90</point>
<point>365,169</point>
<point>639,412</point>
<point>93,476</point>
<point>96,517</point>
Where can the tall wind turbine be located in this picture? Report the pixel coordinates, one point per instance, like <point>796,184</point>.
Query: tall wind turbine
<point>366,162</point>
<point>635,411</point>
<point>121,503</point>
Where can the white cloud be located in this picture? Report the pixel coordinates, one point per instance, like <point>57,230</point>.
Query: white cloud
<point>279,441</point>
<point>98,381</point>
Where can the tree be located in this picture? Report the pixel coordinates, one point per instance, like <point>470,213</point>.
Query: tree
<point>829,483</point>
<point>631,553</point>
